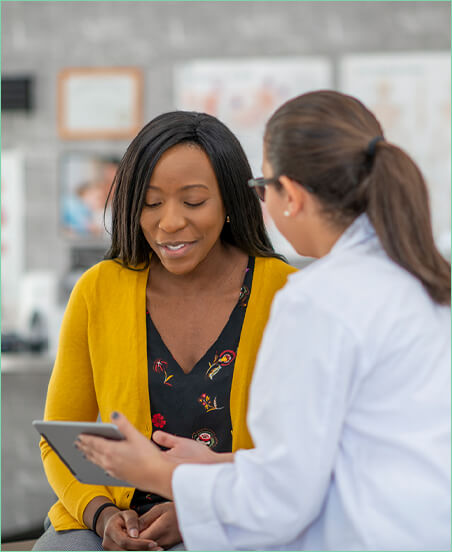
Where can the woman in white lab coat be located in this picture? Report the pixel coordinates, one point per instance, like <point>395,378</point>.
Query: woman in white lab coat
<point>350,403</point>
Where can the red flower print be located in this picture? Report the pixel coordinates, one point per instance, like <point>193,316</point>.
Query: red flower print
<point>226,358</point>
<point>158,420</point>
<point>160,366</point>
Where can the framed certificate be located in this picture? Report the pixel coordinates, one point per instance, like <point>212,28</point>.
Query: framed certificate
<point>104,103</point>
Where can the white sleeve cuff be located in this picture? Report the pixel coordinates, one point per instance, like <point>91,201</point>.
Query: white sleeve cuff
<point>193,490</point>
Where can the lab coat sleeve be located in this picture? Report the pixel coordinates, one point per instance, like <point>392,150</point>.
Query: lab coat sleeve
<point>299,395</point>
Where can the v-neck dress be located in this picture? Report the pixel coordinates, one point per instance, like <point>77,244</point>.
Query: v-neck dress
<point>194,405</point>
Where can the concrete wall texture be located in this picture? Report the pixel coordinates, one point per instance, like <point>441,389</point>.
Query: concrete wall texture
<point>41,38</point>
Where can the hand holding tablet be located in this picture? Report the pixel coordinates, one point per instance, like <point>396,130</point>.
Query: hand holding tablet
<point>61,436</point>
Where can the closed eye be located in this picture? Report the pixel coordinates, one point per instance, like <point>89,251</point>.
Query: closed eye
<point>189,204</point>
<point>195,204</point>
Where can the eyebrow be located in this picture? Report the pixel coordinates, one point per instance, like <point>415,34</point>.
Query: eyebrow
<point>188,186</point>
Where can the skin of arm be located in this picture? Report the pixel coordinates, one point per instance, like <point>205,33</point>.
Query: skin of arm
<point>141,462</point>
<point>118,529</point>
<point>134,459</point>
<point>187,451</point>
<point>160,524</point>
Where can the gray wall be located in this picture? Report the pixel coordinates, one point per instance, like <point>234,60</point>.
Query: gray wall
<point>41,38</point>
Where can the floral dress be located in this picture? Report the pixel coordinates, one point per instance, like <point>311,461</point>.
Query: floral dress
<point>194,405</point>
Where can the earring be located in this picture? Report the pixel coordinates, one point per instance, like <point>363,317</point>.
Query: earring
<point>228,219</point>
<point>286,213</point>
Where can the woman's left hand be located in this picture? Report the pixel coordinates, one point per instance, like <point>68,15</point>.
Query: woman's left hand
<point>134,459</point>
<point>160,525</point>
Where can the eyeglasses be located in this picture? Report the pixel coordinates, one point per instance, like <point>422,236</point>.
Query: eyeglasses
<point>260,184</point>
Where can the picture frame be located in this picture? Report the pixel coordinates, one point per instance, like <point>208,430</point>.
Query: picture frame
<point>100,103</point>
<point>85,180</point>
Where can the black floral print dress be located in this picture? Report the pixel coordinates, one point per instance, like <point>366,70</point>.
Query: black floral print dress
<point>194,405</point>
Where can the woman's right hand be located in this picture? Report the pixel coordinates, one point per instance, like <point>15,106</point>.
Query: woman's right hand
<point>120,529</point>
<point>183,450</point>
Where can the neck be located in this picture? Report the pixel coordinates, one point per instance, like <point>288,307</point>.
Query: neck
<point>323,237</point>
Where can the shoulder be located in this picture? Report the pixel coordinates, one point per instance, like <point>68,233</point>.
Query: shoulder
<point>274,268</point>
<point>270,275</point>
<point>368,292</point>
<point>108,275</point>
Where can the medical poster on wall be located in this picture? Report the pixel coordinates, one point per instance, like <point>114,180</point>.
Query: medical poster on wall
<point>411,96</point>
<point>12,235</point>
<point>243,94</point>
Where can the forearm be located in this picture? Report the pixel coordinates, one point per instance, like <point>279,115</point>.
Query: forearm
<point>160,477</point>
<point>91,509</point>
<point>234,516</point>
<point>222,457</point>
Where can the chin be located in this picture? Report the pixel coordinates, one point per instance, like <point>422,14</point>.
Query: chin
<point>305,252</point>
<point>179,267</point>
<point>301,248</point>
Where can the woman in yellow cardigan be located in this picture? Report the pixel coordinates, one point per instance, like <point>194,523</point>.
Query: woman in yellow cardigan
<point>167,329</point>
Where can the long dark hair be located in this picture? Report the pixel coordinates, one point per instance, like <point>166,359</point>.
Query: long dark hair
<point>246,228</point>
<point>322,139</point>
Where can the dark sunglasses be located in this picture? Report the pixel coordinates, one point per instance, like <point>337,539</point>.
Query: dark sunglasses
<point>260,184</point>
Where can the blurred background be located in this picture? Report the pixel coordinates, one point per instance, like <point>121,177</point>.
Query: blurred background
<point>79,79</point>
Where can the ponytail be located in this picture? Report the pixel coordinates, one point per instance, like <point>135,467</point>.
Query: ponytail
<point>398,207</point>
<point>332,144</point>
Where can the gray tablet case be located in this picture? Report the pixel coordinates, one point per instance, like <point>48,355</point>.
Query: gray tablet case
<point>61,437</point>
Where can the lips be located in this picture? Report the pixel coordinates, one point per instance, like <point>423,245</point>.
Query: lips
<point>175,249</point>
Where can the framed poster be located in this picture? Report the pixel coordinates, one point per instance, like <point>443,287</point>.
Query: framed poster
<point>100,103</point>
<point>243,94</point>
<point>411,96</point>
<point>85,181</point>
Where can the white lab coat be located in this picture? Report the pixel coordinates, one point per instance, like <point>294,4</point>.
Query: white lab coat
<point>350,415</point>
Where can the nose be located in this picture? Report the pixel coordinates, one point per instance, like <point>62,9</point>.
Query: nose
<point>172,219</point>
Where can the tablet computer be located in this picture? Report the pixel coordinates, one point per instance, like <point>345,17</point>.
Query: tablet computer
<point>61,437</point>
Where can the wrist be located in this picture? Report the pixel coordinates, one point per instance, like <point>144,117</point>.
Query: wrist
<point>222,457</point>
<point>161,478</point>
<point>103,518</point>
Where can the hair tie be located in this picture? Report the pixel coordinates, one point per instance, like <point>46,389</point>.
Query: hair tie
<point>372,146</point>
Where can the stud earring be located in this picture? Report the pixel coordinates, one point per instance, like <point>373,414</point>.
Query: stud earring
<point>228,219</point>
<point>286,213</point>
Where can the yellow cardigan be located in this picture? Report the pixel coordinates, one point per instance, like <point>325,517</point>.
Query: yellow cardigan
<point>101,366</point>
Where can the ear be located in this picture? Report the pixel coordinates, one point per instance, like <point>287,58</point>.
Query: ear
<point>296,195</point>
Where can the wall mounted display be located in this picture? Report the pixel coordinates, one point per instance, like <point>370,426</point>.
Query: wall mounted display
<point>85,180</point>
<point>244,93</point>
<point>411,96</point>
<point>100,103</point>
<point>12,236</point>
